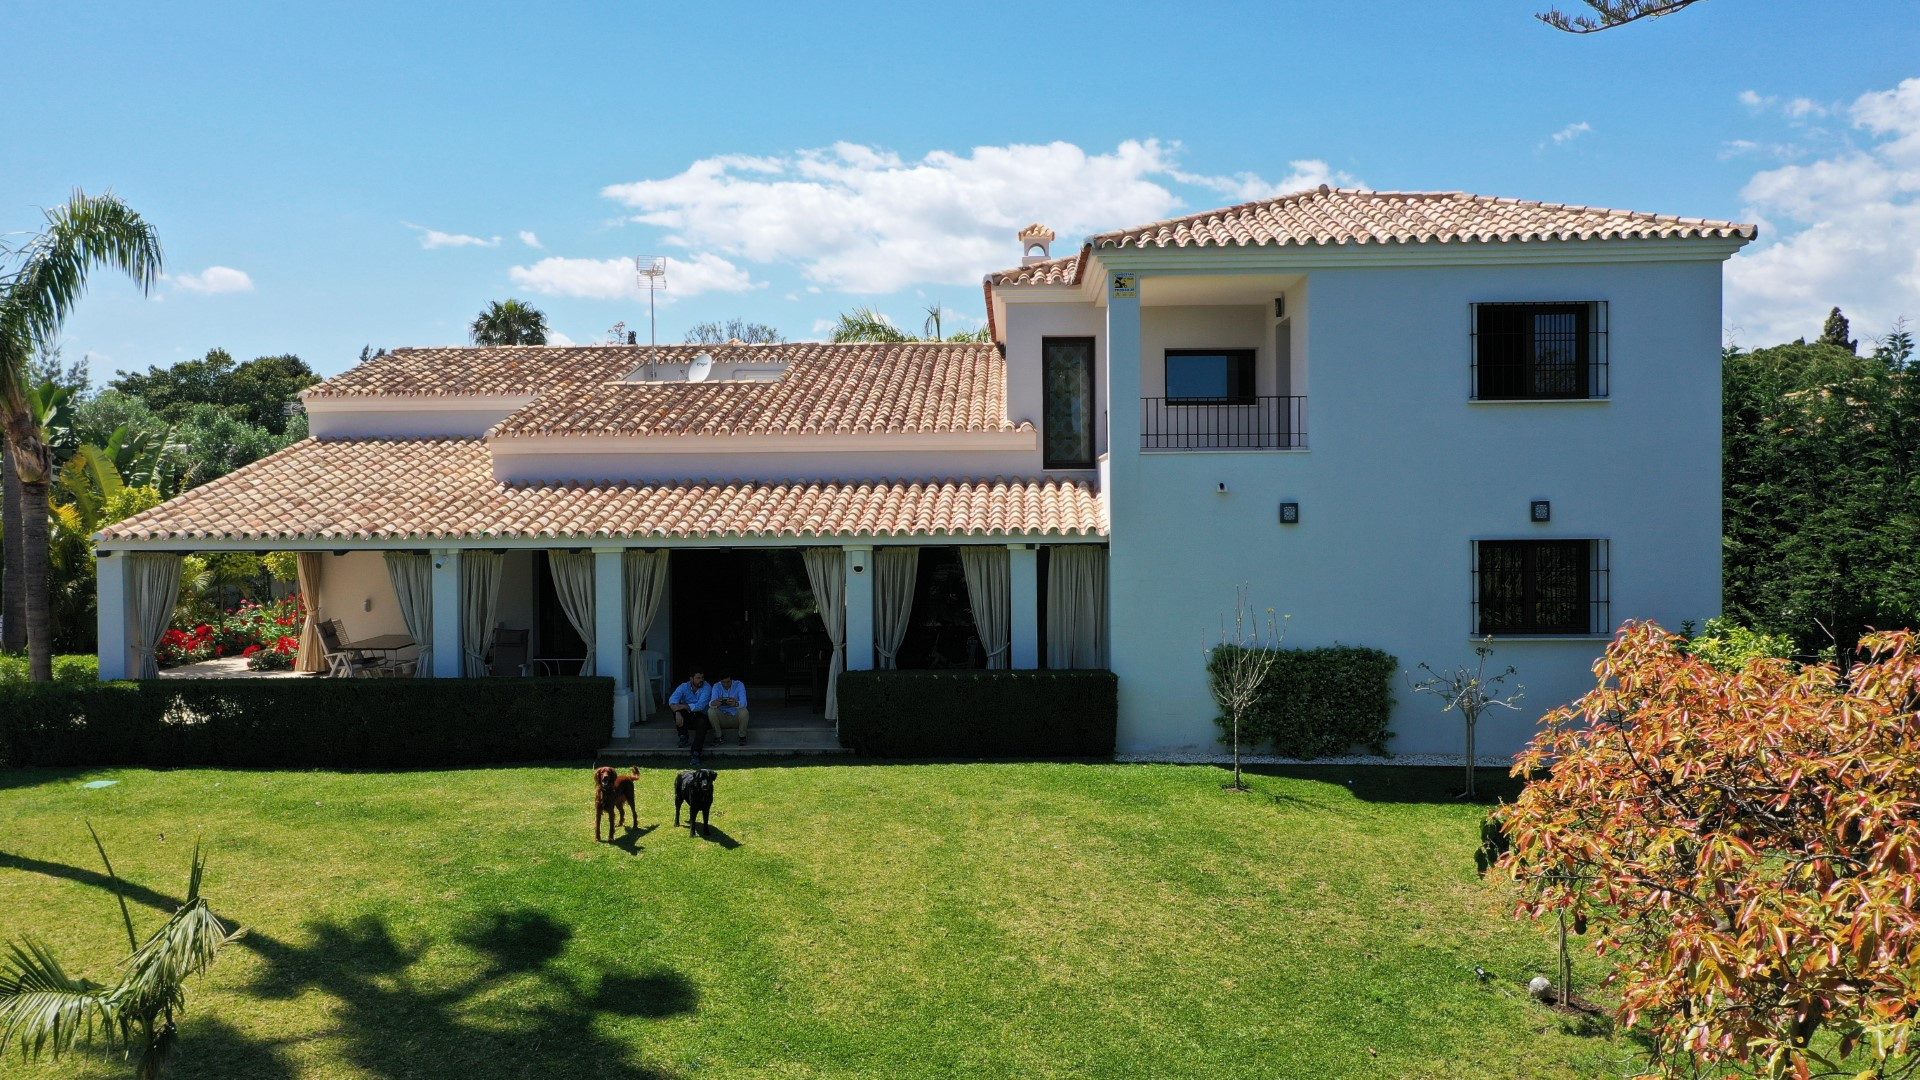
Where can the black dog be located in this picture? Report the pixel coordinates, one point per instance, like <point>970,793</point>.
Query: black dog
<point>694,788</point>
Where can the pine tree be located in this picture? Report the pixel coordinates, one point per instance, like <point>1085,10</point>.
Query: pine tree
<point>1836,330</point>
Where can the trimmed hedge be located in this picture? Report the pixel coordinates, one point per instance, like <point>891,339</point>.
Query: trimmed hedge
<point>1317,702</point>
<point>304,723</point>
<point>976,714</point>
<point>73,668</point>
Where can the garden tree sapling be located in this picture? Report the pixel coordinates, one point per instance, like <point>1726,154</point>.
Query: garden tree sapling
<point>1471,692</point>
<point>1239,666</point>
<point>1745,846</point>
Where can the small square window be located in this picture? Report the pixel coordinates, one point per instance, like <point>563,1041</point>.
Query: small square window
<point>1525,352</point>
<point>1541,587</point>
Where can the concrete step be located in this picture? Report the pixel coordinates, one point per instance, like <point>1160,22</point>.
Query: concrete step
<point>650,741</point>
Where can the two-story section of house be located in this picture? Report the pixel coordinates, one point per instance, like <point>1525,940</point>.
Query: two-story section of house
<point>1405,420</point>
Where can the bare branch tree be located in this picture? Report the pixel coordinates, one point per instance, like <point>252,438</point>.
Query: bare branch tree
<point>1612,13</point>
<point>1471,692</point>
<point>1239,666</point>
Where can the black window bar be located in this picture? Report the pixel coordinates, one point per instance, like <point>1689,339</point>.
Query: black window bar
<point>1239,423</point>
<point>1542,587</point>
<point>1537,352</point>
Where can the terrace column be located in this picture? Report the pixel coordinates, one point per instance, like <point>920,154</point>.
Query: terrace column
<point>859,608</point>
<point>116,637</point>
<point>610,631</point>
<point>446,614</point>
<point>1023,631</point>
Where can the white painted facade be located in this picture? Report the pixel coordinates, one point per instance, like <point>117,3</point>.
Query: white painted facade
<point>1401,471</point>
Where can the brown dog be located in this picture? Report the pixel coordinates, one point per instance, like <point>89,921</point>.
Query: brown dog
<point>613,799</point>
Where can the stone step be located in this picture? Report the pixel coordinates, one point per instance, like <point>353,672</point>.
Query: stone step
<point>660,742</point>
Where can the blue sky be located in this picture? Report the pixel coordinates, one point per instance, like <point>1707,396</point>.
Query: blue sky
<point>333,175</point>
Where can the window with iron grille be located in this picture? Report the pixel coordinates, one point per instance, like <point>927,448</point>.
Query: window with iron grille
<point>1528,352</point>
<point>1067,409</point>
<point>1541,587</point>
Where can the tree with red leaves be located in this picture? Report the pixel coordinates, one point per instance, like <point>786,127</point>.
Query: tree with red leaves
<point>1745,845</point>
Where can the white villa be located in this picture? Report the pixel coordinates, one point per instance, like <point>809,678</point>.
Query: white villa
<point>1405,420</point>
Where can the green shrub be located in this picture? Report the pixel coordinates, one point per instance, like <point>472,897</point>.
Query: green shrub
<point>304,723</point>
<point>1318,702</point>
<point>978,714</point>
<point>76,668</point>
<point>1729,646</point>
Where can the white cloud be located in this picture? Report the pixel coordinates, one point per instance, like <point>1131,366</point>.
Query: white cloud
<point>1571,132</point>
<point>860,219</point>
<point>434,238</point>
<point>1848,230</point>
<point>613,279</point>
<point>1752,99</point>
<point>214,279</point>
<point>528,238</point>
<point>555,337</point>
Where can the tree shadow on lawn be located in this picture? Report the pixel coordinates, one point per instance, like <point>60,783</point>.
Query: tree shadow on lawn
<point>535,1019</point>
<point>38,776</point>
<point>1436,784</point>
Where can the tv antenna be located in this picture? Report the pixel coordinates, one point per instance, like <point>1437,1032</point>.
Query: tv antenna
<point>650,271</point>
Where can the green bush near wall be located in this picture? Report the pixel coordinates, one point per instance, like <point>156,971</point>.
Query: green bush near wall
<point>304,723</point>
<point>979,714</point>
<point>1317,702</point>
<point>77,668</point>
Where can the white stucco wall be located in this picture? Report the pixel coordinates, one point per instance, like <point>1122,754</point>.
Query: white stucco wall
<point>1403,472</point>
<point>407,418</point>
<point>356,589</point>
<point>1027,326</point>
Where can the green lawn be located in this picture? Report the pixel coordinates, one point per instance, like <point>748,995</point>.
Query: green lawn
<point>901,920</point>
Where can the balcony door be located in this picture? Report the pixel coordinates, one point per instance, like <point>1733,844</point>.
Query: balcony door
<point>1067,370</point>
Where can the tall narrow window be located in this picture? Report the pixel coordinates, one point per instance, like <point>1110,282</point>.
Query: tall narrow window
<point>1536,351</point>
<point>1068,432</point>
<point>1540,587</point>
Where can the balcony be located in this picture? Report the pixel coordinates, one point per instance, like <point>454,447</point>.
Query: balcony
<point>1253,423</point>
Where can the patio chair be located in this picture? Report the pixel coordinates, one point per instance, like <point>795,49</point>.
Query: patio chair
<point>508,656</point>
<point>342,661</point>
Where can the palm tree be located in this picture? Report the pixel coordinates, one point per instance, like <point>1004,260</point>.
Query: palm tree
<point>49,1011</point>
<point>866,324</point>
<point>509,322</point>
<point>37,292</point>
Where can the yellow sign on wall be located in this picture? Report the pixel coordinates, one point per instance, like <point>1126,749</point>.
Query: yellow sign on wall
<point>1126,286</point>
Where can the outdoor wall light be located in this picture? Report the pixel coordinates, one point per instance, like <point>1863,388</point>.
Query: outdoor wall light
<point>1279,307</point>
<point>1221,487</point>
<point>367,605</point>
<point>1289,513</point>
<point>1542,510</point>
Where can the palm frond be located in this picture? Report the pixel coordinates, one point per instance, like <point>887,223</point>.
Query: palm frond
<point>45,1009</point>
<point>184,945</point>
<point>866,324</point>
<point>126,916</point>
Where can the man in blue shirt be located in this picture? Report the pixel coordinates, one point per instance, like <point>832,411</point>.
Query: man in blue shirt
<point>728,705</point>
<point>689,701</point>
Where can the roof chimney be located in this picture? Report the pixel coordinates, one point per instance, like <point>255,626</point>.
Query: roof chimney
<point>1036,244</point>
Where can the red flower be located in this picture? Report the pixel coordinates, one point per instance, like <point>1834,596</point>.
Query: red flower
<point>250,650</point>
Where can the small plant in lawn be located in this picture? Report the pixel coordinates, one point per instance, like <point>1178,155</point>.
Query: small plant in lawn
<point>48,1011</point>
<point>1240,665</point>
<point>1470,692</point>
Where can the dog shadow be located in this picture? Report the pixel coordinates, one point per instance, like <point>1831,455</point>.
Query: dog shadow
<point>629,839</point>
<point>713,834</point>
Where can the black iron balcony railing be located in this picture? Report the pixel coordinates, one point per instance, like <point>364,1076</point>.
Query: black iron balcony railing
<point>1255,423</point>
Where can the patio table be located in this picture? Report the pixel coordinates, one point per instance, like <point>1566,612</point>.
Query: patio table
<point>389,644</point>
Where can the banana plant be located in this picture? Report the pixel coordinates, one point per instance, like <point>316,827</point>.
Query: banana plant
<point>49,1012</point>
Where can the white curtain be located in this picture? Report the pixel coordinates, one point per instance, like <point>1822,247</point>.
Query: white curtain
<point>479,601</point>
<point>412,576</point>
<point>153,582</point>
<point>1077,606</point>
<point>990,591</point>
<point>827,573</point>
<point>573,580</point>
<point>894,571</point>
<point>646,585</point>
<point>312,649</point>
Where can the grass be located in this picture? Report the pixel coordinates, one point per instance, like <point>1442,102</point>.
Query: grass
<point>905,920</point>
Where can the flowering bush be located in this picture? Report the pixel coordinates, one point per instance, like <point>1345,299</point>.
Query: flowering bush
<point>276,657</point>
<point>248,630</point>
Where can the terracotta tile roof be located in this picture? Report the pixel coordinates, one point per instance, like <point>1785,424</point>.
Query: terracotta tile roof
<point>828,389</point>
<point>1337,216</point>
<point>1065,271</point>
<point>362,489</point>
<point>493,370</point>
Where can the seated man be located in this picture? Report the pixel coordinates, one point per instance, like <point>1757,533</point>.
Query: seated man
<point>728,703</point>
<point>688,701</point>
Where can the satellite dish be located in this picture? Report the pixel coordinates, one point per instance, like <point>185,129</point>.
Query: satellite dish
<point>701,368</point>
